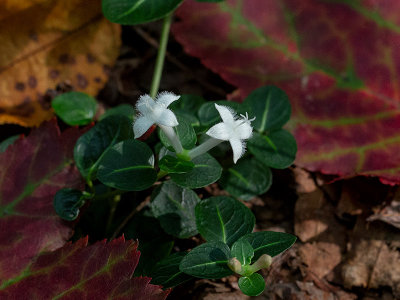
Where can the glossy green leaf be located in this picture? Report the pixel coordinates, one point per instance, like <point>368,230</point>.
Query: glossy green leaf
<point>128,166</point>
<point>269,242</point>
<point>75,108</point>
<point>167,273</point>
<point>185,133</point>
<point>91,146</point>
<point>243,251</point>
<point>155,245</point>
<point>175,165</point>
<point>206,170</point>
<point>151,252</point>
<point>252,285</point>
<point>7,142</point>
<point>247,179</point>
<point>67,203</point>
<point>208,114</point>
<point>223,219</point>
<point>271,107</point>
<point>131,12</point>
<point>174,207</point>
<point>277,150</point>
<point>122,109</point>
<point>208,260</point>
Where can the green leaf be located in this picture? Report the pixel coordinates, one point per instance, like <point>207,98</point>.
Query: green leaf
<point>185,133</point>
<point>167,273</point>
<point>252,285</point>
<point>174,207</point>
<point>269,242</point>
<point>277,150</point>
<point>247,179</point>
<point>151,252</point>
<point>128,166</point>
<point>206,170</point>
<point>223,219</point>
<point>271,107</point>
<point>243,251</point>
<point>91,146</point>
<point>74,108</point>
<point>67,203</point>
<point>208,114</point>
<point>131,12</point>
<point>155,245</point>
<point>175,165</point>
<point>7,142</point>
<point>120,110</point>
<point>187,106</point>
<point>208,260</point>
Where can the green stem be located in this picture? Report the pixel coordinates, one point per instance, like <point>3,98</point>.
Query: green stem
<point>109,194</point>
<point>114,204</point>
<point>155,84</point>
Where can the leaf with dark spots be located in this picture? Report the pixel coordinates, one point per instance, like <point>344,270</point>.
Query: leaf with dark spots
<point>46,43</point>
<point>337,60</point>
<point>78,271</point>
<point>33,170</point>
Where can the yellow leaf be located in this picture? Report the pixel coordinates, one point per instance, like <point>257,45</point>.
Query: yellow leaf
<point>45,43</point>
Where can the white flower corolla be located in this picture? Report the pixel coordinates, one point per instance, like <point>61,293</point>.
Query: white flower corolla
<point>233,129</point>
<point>156,112</point>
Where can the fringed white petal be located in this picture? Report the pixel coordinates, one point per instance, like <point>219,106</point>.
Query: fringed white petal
<point>244,130</point>
<point>144,104</point>
<point>166,98</point>
<point>141,125</point>
<point>220,131</point>
<point>227,114</point>
<point>238,148</point>
<point>167,118</point>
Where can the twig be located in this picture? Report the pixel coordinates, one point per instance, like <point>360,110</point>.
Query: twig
<point>129,217</point>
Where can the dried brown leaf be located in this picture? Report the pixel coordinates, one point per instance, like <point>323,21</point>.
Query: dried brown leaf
<point>44,43</point>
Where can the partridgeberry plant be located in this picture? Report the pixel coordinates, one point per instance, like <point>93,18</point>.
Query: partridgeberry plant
<point>198,143</point>
<point>111,155</point>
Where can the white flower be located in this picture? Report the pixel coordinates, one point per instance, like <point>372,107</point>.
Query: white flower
<point>154,112</point>
<point>233,129</point>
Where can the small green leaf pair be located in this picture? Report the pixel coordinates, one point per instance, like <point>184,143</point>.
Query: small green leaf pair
<point>226,224</point>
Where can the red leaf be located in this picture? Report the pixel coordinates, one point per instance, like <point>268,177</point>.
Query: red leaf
<point>32,170</point>
<point>100,271</point>
<point>337,60</point>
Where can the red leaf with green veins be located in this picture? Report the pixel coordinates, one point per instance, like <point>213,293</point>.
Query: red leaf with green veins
<point>99,271</point>
<point>32,170</point>
<point>339,62</point>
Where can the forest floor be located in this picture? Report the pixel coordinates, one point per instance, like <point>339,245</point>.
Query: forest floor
<point>348,231</point>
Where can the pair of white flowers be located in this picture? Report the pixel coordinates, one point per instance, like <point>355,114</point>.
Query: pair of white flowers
<point>232,128</point>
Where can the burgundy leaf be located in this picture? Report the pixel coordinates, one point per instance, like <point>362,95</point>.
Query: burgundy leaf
<point>75,271</point>
<point>339,62</point>
<point>32,170</point>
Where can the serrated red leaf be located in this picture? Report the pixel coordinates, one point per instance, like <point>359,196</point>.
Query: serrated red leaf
<point>337,60</point>
<point>32,170</point>
<point>75,271</point>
